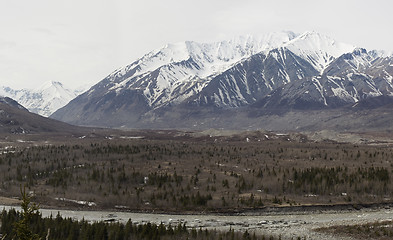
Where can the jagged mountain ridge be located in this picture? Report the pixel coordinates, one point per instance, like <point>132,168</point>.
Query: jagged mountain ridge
<point>351,78</point>
<point>297,72</point>
<point>43,100</point>
<point>178,71</point>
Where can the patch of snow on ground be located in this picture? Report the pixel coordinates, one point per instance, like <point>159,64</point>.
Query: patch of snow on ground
<point>87,203</point>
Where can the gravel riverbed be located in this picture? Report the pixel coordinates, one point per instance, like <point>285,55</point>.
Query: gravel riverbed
<point>286,225</point>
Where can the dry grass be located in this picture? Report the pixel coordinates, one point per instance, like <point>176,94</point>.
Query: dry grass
<point>9,201</point>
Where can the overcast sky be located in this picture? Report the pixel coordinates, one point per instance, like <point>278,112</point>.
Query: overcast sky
<point>80,42</point>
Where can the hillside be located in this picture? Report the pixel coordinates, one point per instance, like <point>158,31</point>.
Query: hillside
<point>15,119</point>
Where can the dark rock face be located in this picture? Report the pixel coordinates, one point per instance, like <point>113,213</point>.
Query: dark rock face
<point>254,78</point>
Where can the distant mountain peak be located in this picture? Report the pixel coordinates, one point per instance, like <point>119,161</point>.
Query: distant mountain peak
<point>48,85</point>
<point>43,100</point>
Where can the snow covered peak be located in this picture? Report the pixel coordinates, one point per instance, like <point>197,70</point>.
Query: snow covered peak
<point>257,43</point>
<point>270,41</point>
<point>49,84</point>
<point>43,100</point>
<point>354,62</point>
<point>318,49</point>
<point>214,57</point>
<point>381,53</point>
<point>53,89</point>
<point>210,57</point>
<point>361,59</point>
<point>228,50</point>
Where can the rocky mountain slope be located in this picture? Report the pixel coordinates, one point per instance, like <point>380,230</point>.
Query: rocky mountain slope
<point>43,100</point>
<point>349,79</point>
<point>186,84</point>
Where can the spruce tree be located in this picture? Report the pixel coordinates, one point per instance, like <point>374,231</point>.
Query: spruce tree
<point>22,227</point>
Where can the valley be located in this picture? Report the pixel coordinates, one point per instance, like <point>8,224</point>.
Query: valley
<point>174,171</point>
<point>274,184</point>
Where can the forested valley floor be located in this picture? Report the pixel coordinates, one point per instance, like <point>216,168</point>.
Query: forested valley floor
<point>205,174</point>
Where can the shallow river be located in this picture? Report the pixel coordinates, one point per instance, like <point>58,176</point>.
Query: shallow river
<point>287,225</point>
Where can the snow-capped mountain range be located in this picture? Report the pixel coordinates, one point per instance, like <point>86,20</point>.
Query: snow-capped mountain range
<point>278,70</point>
<point>43,100</point>
<point>186,67</point>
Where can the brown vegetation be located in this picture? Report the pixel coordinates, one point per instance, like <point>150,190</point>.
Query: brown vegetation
<point>377,230</point>
<point>197,174</point>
